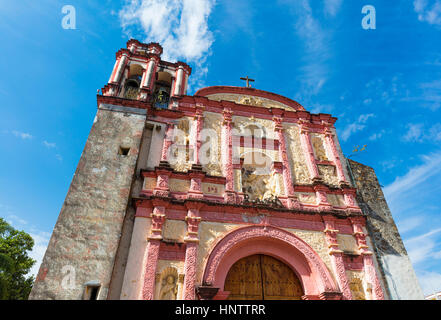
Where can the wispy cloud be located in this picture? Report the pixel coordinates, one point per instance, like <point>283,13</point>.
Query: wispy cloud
<point>49,144</point>
<point>332,7</point>
<point>416,132</point>
<point>416,176</point>
<point>181,27</point>
<point>316,42</point>
<point>414,202</point>
<point>22,135</point>
<point>430,281</point>
<point>41,241</point>
<point>356,126</point>
<point>428,11</point>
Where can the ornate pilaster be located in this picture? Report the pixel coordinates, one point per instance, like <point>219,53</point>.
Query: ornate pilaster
<point>287,177</point>
<point>168,141</point>
<point>192,242</point>
<point>199,118</point>
<point>368,262</point>
<point>227,153</point>
<point>331,144</point>
<point>349,196</point>
<point>322,199</point>
<point>158,219</point>
<point>120,69</point>
<point>163,173</point>
<point>336,256</point>
<point>305,140</point>
<point>196,175</point>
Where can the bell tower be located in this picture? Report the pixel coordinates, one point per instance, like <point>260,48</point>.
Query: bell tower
<point>88,249</point>
<point>140,74</point>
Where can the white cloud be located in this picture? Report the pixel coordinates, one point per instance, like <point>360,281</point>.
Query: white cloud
<point>416,133</point>
<point>377,135</point>
<point>428,11</point>
<point>332,6</point>
<point>413,133</point>
<point>359,125</point>
<point>59,157</point>
<point>419,175</point>
<point>49,144</point>
<point>22,135</point>
<point>181,27</point>
<point>430,281</point>
<point>41,241</point>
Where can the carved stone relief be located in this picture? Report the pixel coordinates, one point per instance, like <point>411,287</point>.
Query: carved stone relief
<point>356,285</point>
<point>336,200</point>
<point>169,284</point>
<point>295,154</point>
<point>328,174</point>
<point>213,122</point>
<point>249,100</point>
<point>319,147</point>
<point>306,197</point>
<point>180,152</point>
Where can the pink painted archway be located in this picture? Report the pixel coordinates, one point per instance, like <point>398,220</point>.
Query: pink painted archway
<point>280,244</point>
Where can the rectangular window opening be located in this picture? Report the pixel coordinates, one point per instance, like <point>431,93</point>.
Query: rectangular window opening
<point>123,151</point>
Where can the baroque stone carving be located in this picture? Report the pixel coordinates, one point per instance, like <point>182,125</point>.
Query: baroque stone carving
<point>213,122</point>
<point>319,148</point>
<point>247,233</point>
<point>328,174</point>
<point>169,284</point>
<point>296,156</point>
<point>249,100</point>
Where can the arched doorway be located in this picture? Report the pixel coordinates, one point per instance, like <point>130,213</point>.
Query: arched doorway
<point>262,277</point>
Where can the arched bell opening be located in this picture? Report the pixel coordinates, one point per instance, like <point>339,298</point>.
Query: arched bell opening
<point>162,89</point>
<point>133,82</point>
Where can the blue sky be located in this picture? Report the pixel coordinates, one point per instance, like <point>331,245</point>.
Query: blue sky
<point>384,85</point>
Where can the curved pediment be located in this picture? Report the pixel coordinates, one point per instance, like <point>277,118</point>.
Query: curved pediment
<point>250,96</point>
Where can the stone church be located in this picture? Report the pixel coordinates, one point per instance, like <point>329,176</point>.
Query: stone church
<point>231,193</point>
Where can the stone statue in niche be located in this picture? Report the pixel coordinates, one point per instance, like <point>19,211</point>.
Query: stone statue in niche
<point>319,149</point>
<point>169,286</point>
<point>356,287</point>
<point>259,186</point>
<point>253,184</point>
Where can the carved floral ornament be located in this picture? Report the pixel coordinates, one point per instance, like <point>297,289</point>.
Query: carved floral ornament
<point>250,101</point>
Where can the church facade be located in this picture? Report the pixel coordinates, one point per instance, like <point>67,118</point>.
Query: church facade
<point>232,193</point>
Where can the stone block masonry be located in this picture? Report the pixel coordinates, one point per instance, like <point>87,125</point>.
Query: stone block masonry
<point>396,267</point>
<point>84,242</point>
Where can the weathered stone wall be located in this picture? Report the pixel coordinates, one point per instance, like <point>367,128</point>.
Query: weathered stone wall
<point>85,239</point>
<point>396,268</point>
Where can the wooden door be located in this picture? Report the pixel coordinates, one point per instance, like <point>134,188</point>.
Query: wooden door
<point>261,277</point>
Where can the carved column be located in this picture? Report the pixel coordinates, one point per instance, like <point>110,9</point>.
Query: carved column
<point>322,199</point>
<point>331,146</point>
<point>196,175</point>
<point>163,173</point>
<point>121,67</point>
<point>368,262</point>
<point>168,141</point>
<point>154,240</point>
<point>149,74</point>
<point>287,177</point>
<point>199,118</point>
<point>336,256</point>
<point>349,196</point>
<point>305,140</point>
<point>227,153</point>
<point>192,242</point>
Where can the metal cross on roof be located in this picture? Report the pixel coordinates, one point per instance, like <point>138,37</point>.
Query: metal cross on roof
<point>248,80</point>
